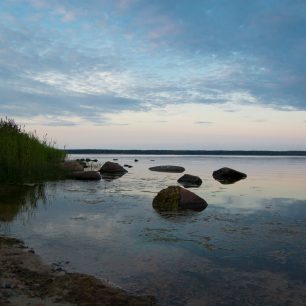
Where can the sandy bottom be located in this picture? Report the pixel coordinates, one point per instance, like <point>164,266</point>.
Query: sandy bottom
<point>26,281</point>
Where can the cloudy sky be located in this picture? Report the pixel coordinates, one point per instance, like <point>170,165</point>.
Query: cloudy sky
<point>156,74</point>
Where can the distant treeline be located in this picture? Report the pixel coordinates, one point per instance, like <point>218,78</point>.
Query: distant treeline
<point>187,152</point>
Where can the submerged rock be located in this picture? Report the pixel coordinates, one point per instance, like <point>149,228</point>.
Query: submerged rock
<point>72,165</point>
<point>110,167</point>
<point>176,198</point>
<point>188,180</point>
<point>167,168</point>
<point>228,176</point>
<point>135,160</point>
<point>87,175</point>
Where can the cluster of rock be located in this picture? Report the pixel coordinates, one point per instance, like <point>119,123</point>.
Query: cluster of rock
<point>176,198</point>
<point>109,170</point>
<point>86,160</point>
<point>172,198</point>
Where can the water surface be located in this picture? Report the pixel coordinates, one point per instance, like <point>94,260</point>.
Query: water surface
<point>248,247</point>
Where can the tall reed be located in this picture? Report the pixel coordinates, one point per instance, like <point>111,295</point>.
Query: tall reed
<point>26,158</point>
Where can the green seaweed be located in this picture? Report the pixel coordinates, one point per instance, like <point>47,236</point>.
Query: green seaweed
<point>167,199</point>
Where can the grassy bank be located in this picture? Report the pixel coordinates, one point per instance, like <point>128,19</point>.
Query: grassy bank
<point>26,158</point>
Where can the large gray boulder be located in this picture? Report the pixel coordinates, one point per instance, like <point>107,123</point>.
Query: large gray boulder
<point>86,175</point>
<point>188,180</point>
<point>111,167</point>
<point>176,198</point>
<point>228,176</point>
<point>167,168</point>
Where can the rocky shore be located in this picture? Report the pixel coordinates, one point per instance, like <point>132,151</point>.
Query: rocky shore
<point>25,280</point>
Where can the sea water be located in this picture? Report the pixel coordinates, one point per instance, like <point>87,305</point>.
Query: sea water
<point>248,247</point>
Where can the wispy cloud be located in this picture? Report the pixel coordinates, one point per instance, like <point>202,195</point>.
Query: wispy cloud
<point>88,59</point>
<point>203,122</point>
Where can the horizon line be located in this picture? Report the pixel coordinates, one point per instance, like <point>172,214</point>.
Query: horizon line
<point>189,152</point>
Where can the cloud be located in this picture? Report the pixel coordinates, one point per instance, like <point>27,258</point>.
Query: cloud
<point>260,120</point>
<point>92,108</point>
<point>88,59</point>
<point>203,122</point>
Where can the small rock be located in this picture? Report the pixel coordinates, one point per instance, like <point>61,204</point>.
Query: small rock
<point>228,176</point>
<point>127,166</point>
<point>188,180</point>
<point>135,160</point>
<point>167,168</point>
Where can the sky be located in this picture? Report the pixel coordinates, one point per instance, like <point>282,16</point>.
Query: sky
<point>156,74</point>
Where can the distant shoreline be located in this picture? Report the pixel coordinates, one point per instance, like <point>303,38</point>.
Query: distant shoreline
<point>188,152</point>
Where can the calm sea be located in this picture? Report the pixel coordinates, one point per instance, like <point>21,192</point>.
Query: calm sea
<point>248,247</point>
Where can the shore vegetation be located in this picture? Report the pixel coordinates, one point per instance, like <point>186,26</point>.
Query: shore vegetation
<point>24,157</point>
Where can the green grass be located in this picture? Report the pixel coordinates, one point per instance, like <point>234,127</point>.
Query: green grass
<point>26,158</point>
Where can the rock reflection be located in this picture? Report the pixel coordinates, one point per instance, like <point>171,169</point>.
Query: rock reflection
<point>228,181</point>
<point>111,176</point>
<point>16,199</point>
<point>178,216</point>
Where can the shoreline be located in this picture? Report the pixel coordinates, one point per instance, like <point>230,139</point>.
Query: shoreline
<point>26,280</point>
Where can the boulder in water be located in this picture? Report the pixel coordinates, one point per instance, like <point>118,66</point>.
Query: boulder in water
<point>167,168</point>
<point>176,198</point>
<point>188,180</point>
<point>228,176</point>
<point>110,167</point>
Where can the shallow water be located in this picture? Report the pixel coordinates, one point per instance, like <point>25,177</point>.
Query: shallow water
<point>248,247</point>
